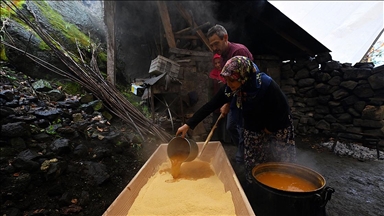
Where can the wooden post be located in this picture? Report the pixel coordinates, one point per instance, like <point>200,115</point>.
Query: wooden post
<point>166,23</point>
<point>109,16</point>
<point>193,25</point>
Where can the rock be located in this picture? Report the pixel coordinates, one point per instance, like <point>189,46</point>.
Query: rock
<point>345,118</point>
<point>376,80</point>
<point>369,65</point>
<point>100,152</point>
<point>323,125</point>
<point>86,98</point>
<point>330,66</point>
<point>335,81</point>
<point>96,173</point>
<point>301,74</point>
<point>322,88</point>
<point>16,129</point>
<point>368,123</point>
<point>18,143</point>
<point>51,113</point>
<point>6,111</point>
<point>350,85</point>
<point>363,91</point>
<point>323,77</point>
<point>80,151</point>
<point>349,101</point>
<point>56,95</point>
<point>306,82</point>
<point>24,164</point>
<point>60,146</point>
<point>339,94</point>
<point>323,57</point>
<point>42,85</point>
<point>373,113</point>
<point>356,73</point>
<point>7,95</point>
<point>55,170</point>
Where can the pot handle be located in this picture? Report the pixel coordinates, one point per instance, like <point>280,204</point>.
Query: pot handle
<point>325,196</point>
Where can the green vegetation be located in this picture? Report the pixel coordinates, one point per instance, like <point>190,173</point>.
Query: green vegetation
<point>102,57</point>
<point>7,12</point>
<point>51,129</point>
<point>71,88</point>
<point>70,31</point>
<point>3,55</point>
<point>134,100</point>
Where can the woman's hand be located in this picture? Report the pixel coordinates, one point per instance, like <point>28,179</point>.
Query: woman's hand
<point>182,130</point>
<point>225,109</point>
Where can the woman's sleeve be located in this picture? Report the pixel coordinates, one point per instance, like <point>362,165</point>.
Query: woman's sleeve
<point>218,100</point>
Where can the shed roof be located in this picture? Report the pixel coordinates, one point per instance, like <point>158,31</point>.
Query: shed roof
<point>266,30</point>
<point>348,28</point>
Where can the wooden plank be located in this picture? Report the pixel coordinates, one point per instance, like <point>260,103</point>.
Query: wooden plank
<point>213,154</point>
<point>189,52</point>
<point>192,37</point>
<point>192,23</point>
<point>110,11</point>
<point>166,23</point>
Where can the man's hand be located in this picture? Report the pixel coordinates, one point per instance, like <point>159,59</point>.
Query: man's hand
<point>225,109</point>
<point>182,130</point>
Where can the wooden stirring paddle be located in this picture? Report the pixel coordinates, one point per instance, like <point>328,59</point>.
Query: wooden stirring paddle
<point>210,134</point>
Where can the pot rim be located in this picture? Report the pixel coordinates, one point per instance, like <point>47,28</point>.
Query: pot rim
<point>290,168</point>
<point>188,146</point>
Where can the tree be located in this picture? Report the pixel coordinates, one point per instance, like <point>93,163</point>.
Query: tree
<point>375,53</point>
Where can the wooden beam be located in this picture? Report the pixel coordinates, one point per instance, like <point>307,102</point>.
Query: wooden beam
<point>286,37</point>
<point>192,37</point>
<point>166,23</point>
<point>183,30</point>
<point>193,25</point>
<point>189,52</point>
<point>192,29</point>
<point>109,19</point>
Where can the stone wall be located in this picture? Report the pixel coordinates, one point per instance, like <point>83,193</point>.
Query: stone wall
<point>330,98</point>
<point>194,76</point>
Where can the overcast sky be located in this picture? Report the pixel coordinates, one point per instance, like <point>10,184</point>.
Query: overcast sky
<point>347,28</point>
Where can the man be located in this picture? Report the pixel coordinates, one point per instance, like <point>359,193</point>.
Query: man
<point>218,40</point>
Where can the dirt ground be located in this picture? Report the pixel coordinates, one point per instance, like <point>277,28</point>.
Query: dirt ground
<point>358,185</point>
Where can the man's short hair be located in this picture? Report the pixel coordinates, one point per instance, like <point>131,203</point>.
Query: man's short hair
<point>219,30</point>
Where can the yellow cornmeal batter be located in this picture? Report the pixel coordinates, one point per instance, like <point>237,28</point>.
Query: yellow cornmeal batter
<point>197,191</point>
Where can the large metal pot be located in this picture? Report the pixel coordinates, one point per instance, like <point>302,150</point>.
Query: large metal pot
<point>183,146</point>
<point>269,200</point>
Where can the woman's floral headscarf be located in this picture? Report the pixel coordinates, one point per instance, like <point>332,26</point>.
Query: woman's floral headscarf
<point>242,69</point>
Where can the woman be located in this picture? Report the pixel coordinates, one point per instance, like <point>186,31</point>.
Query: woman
<point>268,125</point>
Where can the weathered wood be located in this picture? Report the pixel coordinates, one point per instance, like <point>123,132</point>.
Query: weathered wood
<point>183,30</point>
<point>192,37</point>
<point>191,29</point>
<point>184,61</point>
<point>166,23</point>
<point>192,23</point>
<point>110,9</point>
<point>189,52</point>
